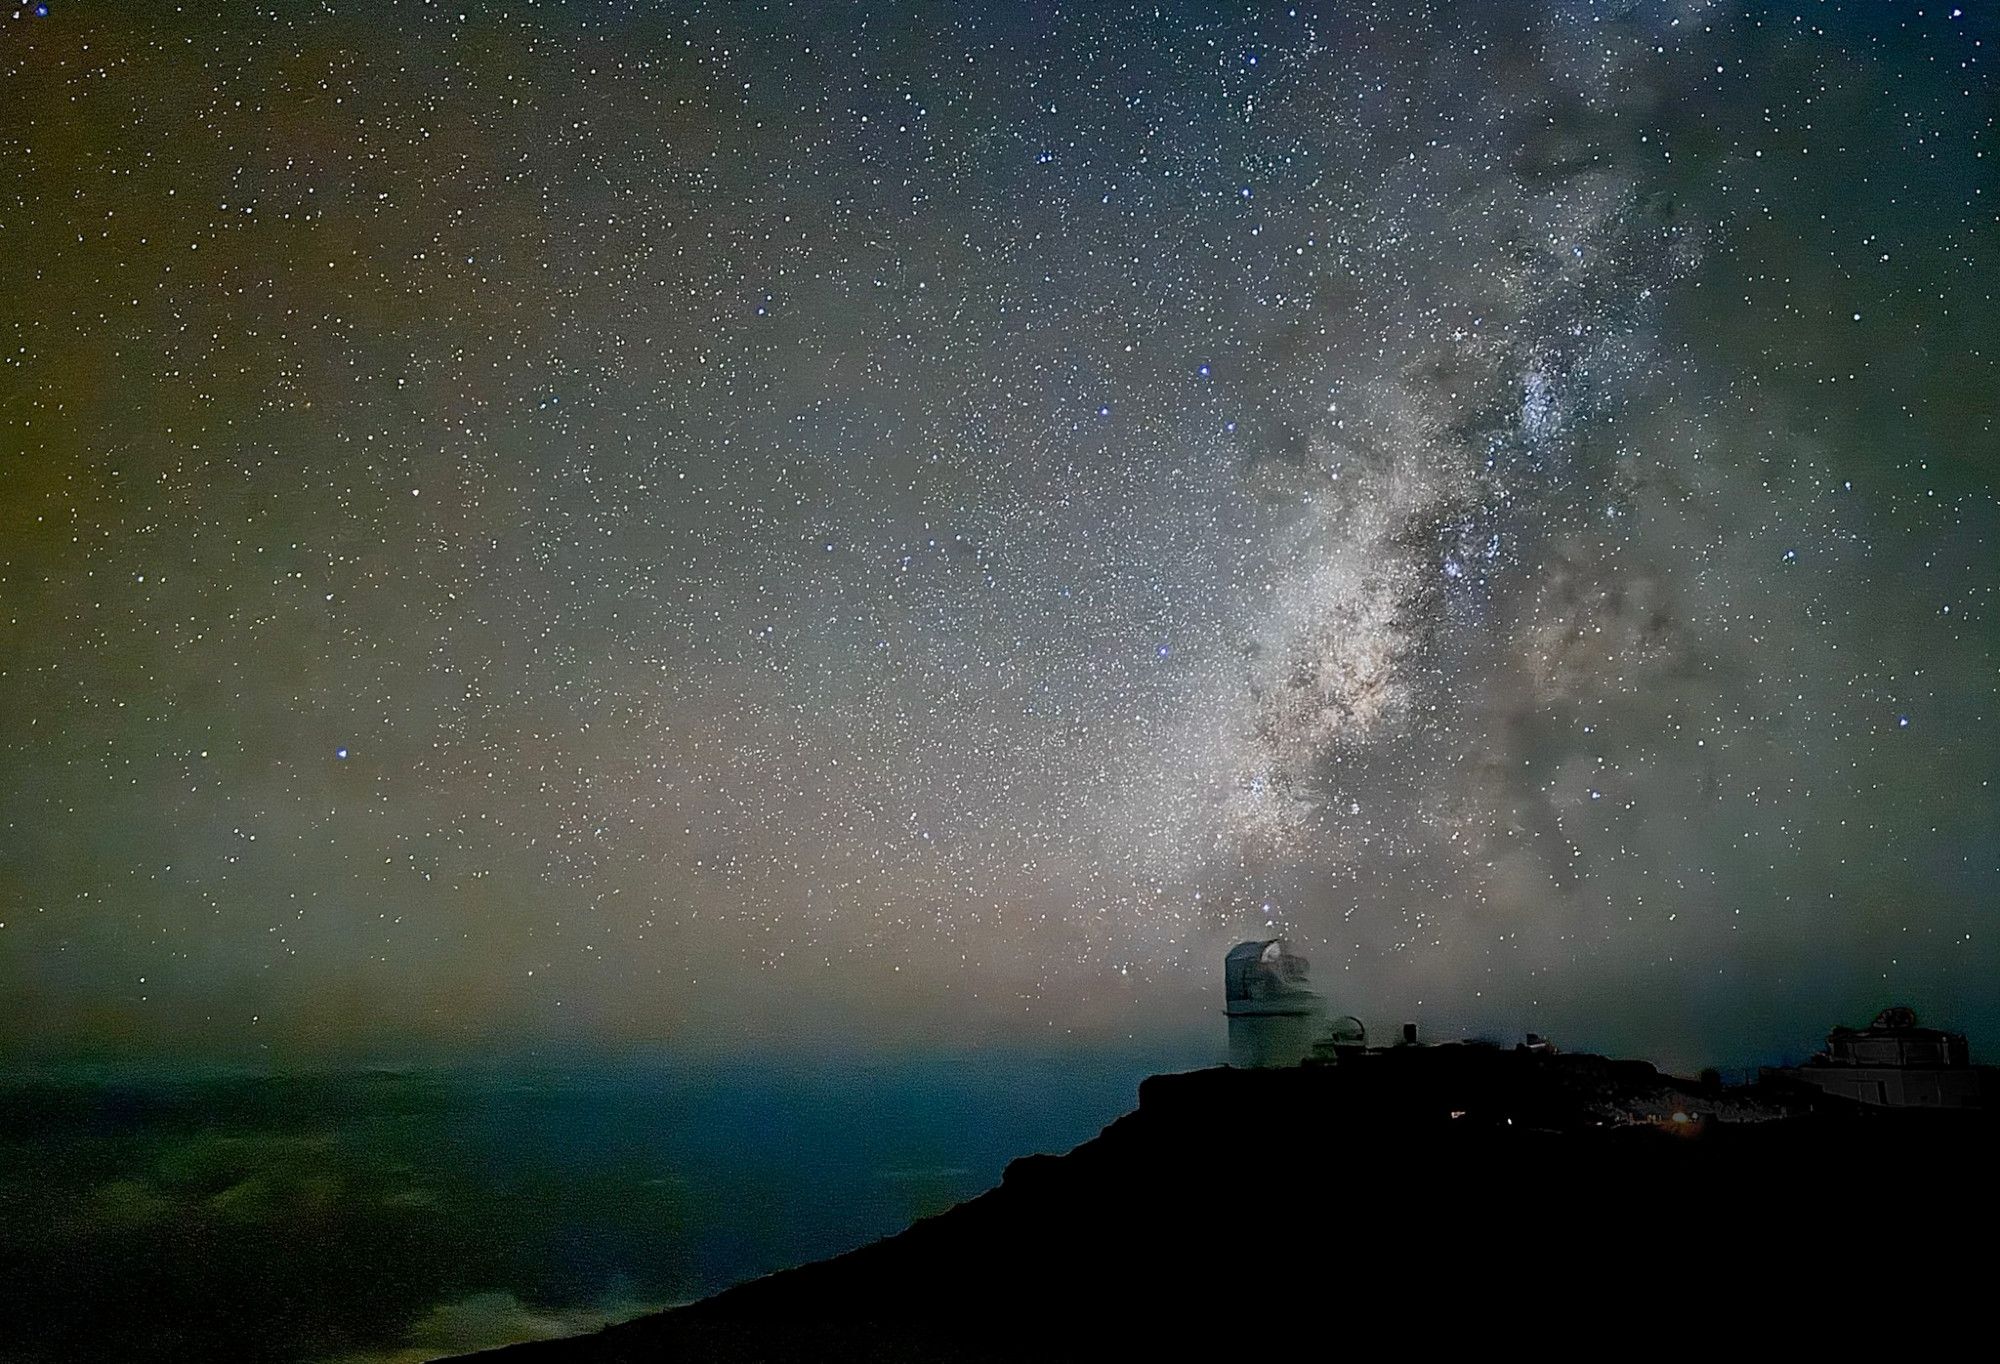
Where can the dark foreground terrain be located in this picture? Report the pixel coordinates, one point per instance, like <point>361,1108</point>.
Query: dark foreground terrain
<point>1455,1197</point>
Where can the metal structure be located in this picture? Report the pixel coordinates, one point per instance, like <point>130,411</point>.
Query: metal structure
<point>1896,1062</point>
<point>1274,1015</point>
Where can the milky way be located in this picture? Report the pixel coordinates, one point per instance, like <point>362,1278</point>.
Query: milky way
<point>919,524</point>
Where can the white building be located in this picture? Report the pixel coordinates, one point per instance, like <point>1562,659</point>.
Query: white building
<point>1894,1063</point>
<point>1274,1016</point>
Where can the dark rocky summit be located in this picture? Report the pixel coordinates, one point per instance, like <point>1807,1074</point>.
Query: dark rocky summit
<point>1445,1197</point>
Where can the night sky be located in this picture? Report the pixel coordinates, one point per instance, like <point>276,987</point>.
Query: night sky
<point>879,526</point>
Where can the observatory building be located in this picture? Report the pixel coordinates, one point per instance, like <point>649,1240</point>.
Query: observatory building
<point>1895,1063</point>
<point>1274,1016</point>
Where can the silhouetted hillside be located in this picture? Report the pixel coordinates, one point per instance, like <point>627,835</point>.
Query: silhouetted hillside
<point>1455,1195</point>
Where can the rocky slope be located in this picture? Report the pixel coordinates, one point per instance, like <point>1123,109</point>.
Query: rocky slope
<point>1455,1195</point>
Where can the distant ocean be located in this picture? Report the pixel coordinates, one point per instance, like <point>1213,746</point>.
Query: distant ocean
<point>395,1215</point>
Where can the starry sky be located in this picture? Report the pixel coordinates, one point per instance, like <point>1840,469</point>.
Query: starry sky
<point>897,525</point>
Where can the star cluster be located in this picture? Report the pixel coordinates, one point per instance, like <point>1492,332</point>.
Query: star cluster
<point>672,521</point>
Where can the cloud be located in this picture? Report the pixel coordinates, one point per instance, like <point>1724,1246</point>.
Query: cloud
<point>484,1321</point>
